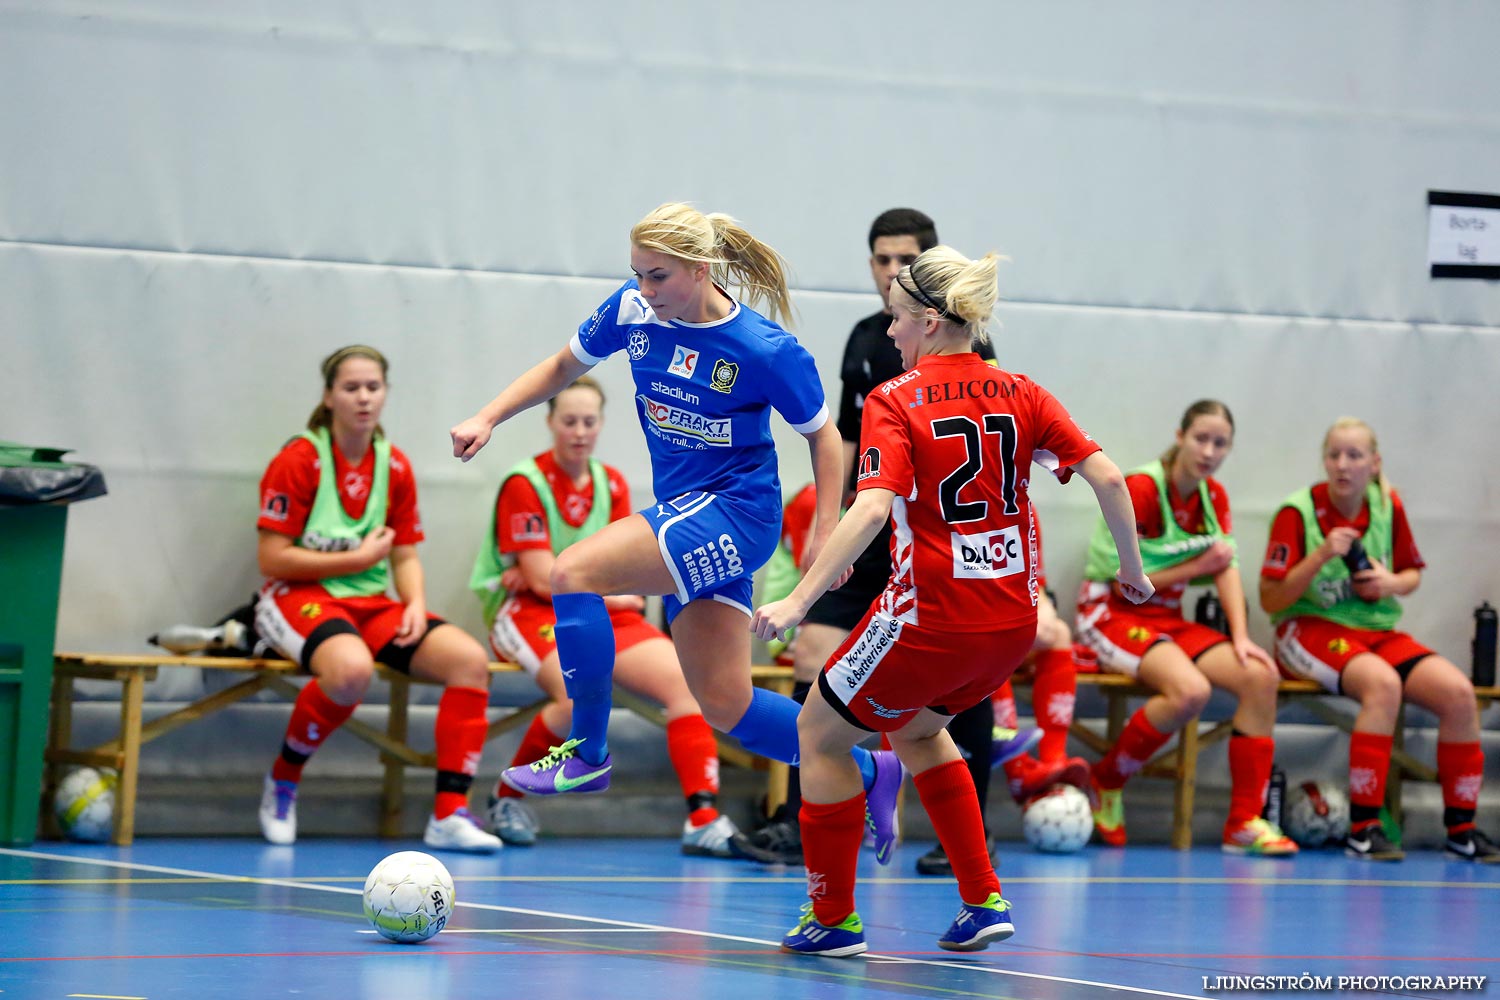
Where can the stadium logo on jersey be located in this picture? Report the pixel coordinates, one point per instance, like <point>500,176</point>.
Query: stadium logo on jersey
<point>684,362</point>
<point>869,463</point>
<point>691,398</point>
<point>528,528</point>
<point>274,506</point>
<point>679,425</point>
<point>638,344</point>
<point>989,556</point>
<point>725,372</point>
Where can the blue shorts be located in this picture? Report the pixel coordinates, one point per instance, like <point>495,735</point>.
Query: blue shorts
<point>712,546</point>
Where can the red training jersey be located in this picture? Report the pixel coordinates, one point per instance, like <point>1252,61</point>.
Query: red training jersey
<point>290,484</point>
<point>954,438</point>
<point>1287,545</point>
<point>521,521</point>
<point>1150,523</point>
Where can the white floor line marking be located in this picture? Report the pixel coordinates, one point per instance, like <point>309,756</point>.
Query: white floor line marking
<point>622,924</point>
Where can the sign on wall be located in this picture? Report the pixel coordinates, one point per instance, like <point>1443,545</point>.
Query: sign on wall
<point>1463,235</point>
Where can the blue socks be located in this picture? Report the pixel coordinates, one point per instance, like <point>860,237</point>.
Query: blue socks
<point>586,650</point>
<point>769,728</point>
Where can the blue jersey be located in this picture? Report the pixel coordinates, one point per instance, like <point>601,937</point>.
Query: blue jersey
<point>704,393</point>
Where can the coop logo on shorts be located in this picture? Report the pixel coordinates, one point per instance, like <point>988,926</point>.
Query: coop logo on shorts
<point>725,372</point>
<point>989,556</point>
<point>684,362</point>
<point>638,344</point>
<point>731,554</point>
<point>675,422</point>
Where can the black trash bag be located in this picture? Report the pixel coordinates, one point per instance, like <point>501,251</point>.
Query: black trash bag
<point>30,475</point>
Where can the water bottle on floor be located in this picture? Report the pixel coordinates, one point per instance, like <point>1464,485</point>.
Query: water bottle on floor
<point>183,639</point>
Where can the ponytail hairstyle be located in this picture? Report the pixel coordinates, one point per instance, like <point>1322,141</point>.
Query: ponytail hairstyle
<point>733,255</point>
<point>581,382</point>
<point>960,290</point>
<point>1345,423</point>
<point>321,415</point>
<point>1202,408</point>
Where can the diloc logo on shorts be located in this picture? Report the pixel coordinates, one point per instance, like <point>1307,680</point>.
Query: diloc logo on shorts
<point>989,556</point>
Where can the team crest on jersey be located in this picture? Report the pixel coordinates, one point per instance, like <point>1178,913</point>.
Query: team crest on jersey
<point>638,344</point>
<point>311,609</point>
<point>725,372</point>
<point>1339,646</point>
<point>990,556</point>
<point>684,362</point>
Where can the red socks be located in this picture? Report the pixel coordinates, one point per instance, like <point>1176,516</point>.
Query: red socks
<point>1249,773</point>
<point>1052,695</point>
<point>459,735</point>
<point>695,758</point>
<point>830,846</point>
<point>314,718</point>
<point>947,793</point>
<point>1136,745</point>
<point>1460,768</point>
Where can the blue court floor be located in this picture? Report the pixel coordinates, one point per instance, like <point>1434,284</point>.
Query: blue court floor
<point>595,919</point>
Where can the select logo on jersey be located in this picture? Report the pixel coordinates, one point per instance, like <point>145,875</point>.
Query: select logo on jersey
<point>869,463</point>
<point>528,528</point>
<point>684,362</point>
<point>989,556</point>
<point>311,609</point>
<point>638,345</point>
<point>725,372</point>
<point>671,421</point>
<point>899,381</point>
<point>273,506</point>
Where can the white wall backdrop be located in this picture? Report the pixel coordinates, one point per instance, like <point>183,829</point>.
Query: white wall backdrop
<point>199,200</point>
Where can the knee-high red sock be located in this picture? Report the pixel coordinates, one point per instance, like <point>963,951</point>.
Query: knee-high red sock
<point>1003,702</point>
<point>1052,696</point>
<point>1134,747</point>
<point>1249,772</point>
<point>459,736</point>
<point>695,758</point>
<point>1460,768</point>
<point>1369,760</point>
<point>314,718</point>
<point>830,849</point>
<point>947,793</point>
<point>534,746</point>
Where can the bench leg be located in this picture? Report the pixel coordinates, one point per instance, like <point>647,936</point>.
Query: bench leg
<point>392,789</point>
<point>1185,786</point>
<point>130,757</point>
<point>59,737</point>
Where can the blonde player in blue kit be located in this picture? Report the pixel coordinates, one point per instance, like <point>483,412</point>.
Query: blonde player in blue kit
<point>707,371</point>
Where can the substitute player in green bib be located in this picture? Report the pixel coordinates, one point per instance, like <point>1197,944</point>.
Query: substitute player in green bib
<point>338,526</point>
<point>1339,555</point>
<point>1185,534</point>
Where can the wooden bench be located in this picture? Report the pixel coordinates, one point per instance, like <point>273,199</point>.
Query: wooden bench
<point>132,672</point>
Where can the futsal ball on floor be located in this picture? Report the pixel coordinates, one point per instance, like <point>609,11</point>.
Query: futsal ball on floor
<point>408,897</point>
<point>1317,813</point>
<point>85,804</point>
<point>1059,821</point>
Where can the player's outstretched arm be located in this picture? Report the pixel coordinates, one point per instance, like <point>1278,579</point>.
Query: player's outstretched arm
<point>850,538</point>
<point>1114,502</point>
<point>539,383</point>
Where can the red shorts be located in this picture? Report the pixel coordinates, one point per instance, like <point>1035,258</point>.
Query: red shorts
<point>1317,649</point>
<point>1121,638</point>
<point>522,632</point>
<point>886,670</point>
<point>295,618</point>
